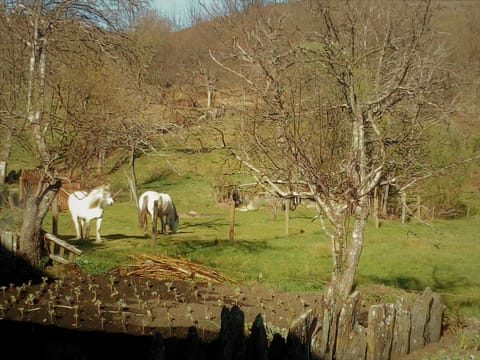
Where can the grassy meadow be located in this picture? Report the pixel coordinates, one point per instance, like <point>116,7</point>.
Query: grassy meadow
<point>444,255</point>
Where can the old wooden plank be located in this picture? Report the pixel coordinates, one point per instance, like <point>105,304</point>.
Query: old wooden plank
<point>346,322</point>
<point>381,319</point>
<point>433,329</point>
<point>59,259</point>
<point>419,318</point>
<point>232,336</point>
<point>324,338</point>
<point>9,241</point>
<point>401,331</point>
<point>299,336</point>
<point>257,343</point>
<point>62,243</point>
<point>61,252</point>
<point>358,344</point>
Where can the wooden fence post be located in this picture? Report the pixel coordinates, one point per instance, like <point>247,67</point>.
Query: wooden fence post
<point>257,343</point>
<point>403,197</point>
<point>55,215</point>
<point>231,232</point>
<point>232,334</point>
<point>287,216</point>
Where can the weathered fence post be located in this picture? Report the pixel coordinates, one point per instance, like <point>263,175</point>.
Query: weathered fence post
<point>381,321</point>
<point>157,349</point>
<point>427,314</point>
<point>55,216</point>
<point>335,330</point>
<point>299,338</point>
<point>232,336</point>
<point>351,337</point>
<point>287,216</point>
<point>257,343</point>
<point>401,331</point>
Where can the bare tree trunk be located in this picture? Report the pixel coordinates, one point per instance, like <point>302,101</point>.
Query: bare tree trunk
<point>35,210</point>
<point>132,178</point>
<point>37,205</point>
<point>345,282</point>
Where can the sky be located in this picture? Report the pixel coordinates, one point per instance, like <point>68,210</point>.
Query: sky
<point>176,7</point>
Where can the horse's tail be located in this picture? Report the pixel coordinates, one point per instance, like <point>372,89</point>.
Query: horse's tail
<point>143,215</point>
<point>175,210</point>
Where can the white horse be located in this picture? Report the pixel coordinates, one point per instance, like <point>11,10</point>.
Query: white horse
<point>166,210</point>
<point>86,207</point>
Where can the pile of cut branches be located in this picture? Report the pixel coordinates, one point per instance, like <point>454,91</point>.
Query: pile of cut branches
<point>161,267</point>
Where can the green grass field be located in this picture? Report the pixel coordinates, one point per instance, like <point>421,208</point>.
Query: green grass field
<point>444,256</point>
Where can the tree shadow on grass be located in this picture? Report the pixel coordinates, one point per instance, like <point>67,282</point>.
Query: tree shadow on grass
<point>401,282</point>
<point>438,283</point>
<point>186,247</point>
<point>209,224</point>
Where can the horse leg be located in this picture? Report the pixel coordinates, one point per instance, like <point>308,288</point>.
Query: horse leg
<point>99,225</point>
<point>164,224</point>
<point>77,227</point>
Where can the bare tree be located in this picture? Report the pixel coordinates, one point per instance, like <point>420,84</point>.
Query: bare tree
<point>52,30</point>
<point>338,105</point>
<point>12,84</point>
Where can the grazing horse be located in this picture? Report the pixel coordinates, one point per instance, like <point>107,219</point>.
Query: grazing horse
<point>86,207</point>
<point>166,210</point>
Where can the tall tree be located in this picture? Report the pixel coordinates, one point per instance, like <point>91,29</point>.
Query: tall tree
<point>338,105</point>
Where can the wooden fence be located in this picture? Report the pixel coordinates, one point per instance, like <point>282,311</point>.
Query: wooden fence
<point>332,331</point>
<point>28,185</point>
<point>8,248</point>
<point>57,249</point>
<point>338,331</point>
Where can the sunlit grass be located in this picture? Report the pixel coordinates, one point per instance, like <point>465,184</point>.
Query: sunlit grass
<point>444,256</point>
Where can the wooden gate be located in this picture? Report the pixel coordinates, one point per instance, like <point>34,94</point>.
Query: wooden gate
<point>29,181</point>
